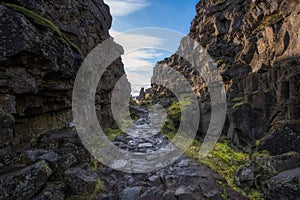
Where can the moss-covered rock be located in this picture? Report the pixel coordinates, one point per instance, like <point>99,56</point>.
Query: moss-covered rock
<point>44,23</point>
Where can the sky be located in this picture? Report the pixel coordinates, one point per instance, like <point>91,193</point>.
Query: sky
<point>145,46</point>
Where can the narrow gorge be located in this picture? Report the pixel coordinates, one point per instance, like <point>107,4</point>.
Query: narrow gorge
<point>255,47</point>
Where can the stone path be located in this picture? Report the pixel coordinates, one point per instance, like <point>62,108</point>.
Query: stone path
<point>184,179</point>
<point>59,167</point>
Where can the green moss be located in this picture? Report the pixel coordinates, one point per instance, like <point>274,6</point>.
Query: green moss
<point>220,62</point>
<point>21,158</point>
<point>169,129</point>
<point>238,99</point>
<point>225,160</point>
<point>269,21</point>
<point>46,167</point>
<point>239,104</point>
<point>261,154</point>
<point>39,20</point>
<point>111,133</point>
<point>174,110</point>
<point>259,158</point>
<point>98,188</point>
<point>224,195</point>
<point>94,163</point>
<point>255,195</point>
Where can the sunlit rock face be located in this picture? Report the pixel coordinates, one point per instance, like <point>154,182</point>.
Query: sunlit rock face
<point>255,45</point>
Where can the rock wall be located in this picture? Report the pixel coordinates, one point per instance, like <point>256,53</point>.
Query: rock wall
<point>255,45</point>
<point>42,46</point>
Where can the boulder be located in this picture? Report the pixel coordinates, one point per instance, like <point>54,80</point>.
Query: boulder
<point>262,168</point>
<point>285,185</point>
<point>53,190</point>
<point>283,138</point>
<point>41,154</point>
<point>182,193</point>
<point>24,183</point>
<point>133,193</point>
<point>152,193</point>
<point>80,180</point>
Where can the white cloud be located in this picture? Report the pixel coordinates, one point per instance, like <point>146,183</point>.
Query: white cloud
<point>132,42</point>
<point>140,60</point>
<point>125,7</point>
<point>141,54</point>
<point>138,80</point>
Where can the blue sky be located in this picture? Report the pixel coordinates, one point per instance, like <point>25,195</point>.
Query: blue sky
<point>175,15</point>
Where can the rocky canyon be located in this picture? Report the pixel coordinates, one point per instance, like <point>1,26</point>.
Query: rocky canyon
<point>255,47</point>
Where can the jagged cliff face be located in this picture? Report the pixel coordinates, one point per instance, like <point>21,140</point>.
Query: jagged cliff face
<point>42,46</point>
<point>256,47</point>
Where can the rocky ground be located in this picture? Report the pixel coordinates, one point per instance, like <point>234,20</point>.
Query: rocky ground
<point>185,179</point>
<point>59,167</point>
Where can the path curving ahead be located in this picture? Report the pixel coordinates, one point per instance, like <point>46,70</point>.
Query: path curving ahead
<point>183,180</point>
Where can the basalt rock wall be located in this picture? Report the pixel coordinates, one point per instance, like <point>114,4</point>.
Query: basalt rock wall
<point>43,44</point>
<point>255,45</point>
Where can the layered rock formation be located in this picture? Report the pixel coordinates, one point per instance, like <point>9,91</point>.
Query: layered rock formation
<point>255,45</point>
<point>43,44</point>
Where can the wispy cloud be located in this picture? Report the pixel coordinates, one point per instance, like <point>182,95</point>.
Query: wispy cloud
<point>132,41</point>
<point>125,7</point>
<point>141,60</point>
<point>140,51</point>
<point>141,54</point>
